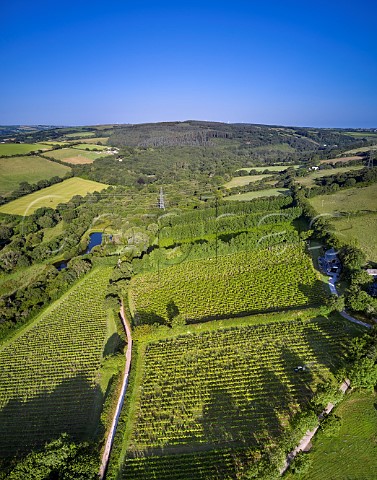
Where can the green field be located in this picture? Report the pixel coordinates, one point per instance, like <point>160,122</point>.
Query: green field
<point>51,196</point>
<point>270,192</point>
<point>244,180</point>
<point>361,150</point>
<point>354,200</point>
<point>352,453</point>
<point>91,140</point>
<point>7,149</point>
<point>29,169</point>
<point>238,284</point>
<point>74,155</point>
<point>90,146</point>
<point>50,370</point>
<point>202,399</point>
<point>310,179</point>
<point>360,230</point>
<point>79,134</point>
<point>270,168</point>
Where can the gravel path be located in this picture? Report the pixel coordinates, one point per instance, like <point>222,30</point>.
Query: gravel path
<point>110,438</point>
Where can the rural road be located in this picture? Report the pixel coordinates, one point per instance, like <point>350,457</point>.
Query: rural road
<point>111,435</point>
<point>344,314</point>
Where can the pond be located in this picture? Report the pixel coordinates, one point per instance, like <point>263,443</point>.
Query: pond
<point>95,239</point>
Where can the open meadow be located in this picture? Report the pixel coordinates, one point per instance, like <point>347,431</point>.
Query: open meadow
<point>310,179</point>
<point>353,200</point>
<point>29,169</point>
<point>244,180</point>
<point>51,196</point>
<point>352,452</point>
<point>7,149</point>
<point>270,168</point>
<point>269,192</point>
<point>75,156</point>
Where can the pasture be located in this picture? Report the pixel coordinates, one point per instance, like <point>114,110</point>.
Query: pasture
<point>360,230</point>
<point>29,169</point>
<point>340,159</point>
<point>203,398</point>
<point>352,452</point>
<point>7,149</point>
<point>74,155</point>
<point>270,192</point>
<point>90,146</point>
<point>358,199</point>
<point>50,370</point>
<point>51,196</point>
<point>244,180</point>
<point>270,168</point>
<point>309,180</point>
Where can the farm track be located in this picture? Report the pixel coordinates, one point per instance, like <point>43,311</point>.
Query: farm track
<point>110,438</point>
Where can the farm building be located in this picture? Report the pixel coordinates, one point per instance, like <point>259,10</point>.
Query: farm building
<point>330,263</point>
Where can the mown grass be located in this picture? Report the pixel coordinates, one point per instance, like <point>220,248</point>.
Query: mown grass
<point>347,200</point>
<point>310,179</point>
<point>352,453</point>
<point>7,149</point>
<point>270,192</point>
<point>270,168</point>
<point>29,169</point>
<point>71,155</point>
<point>244,180</point>
<point>51,196</point>
<point>360,230</point>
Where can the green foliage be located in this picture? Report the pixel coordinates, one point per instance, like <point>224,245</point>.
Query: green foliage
<point>335,303</point>
<point>301,463</point>
<point>331,425</point>
<point>256,281</point>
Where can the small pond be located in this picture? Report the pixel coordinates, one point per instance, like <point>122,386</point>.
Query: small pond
<point>95,239</point>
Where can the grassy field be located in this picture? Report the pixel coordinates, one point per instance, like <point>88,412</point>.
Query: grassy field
<point>360,230</point>
<point>201,398</point>
<point>310,179</point>
<point>51,196</point>
<point>10,282</point>
<point>270,192</point>
<point>7,149</point>
<point>351,454</point>
<point>29,169</point>
<point>50,370</point>
<point>79,134</point>
<point>90,146</point>
<point>278,147</point>
<point>90,140</point>
<point>340,159</point>
<point>347,200</point>
<point>361,150</point>
<point>270,168</point>
<point>75,156</point>
<point>244,180</point>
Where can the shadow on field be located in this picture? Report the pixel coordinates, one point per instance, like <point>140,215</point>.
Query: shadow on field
<point>73,407</point>
<point>114,344</point>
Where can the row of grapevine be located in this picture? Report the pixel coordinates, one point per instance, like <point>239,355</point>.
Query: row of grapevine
<point>48,372</point>
<point>242,283</point>
<point>231,388</point>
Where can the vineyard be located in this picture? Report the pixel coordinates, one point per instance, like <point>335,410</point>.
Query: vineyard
<point>49,372</point>
<point>206,398</point>
<point>238,284</point>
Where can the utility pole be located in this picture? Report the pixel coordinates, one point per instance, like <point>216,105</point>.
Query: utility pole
<point>161,201</point>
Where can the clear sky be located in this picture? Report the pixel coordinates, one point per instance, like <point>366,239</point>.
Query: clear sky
<point>308,63</point>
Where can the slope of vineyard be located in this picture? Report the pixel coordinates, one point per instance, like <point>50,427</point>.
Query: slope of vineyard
<point>49,370</point>
<point>206,398</point>
<point>238,284</point>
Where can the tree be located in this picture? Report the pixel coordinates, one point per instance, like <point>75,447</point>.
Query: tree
<point>335,303</point>
<point>352,257</point>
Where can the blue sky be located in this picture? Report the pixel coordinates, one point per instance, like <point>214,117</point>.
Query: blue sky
<point>310,63</point>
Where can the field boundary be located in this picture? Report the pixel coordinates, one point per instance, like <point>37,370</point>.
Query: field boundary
<point>111,435</point>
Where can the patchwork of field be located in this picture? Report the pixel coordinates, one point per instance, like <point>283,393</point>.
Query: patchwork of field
<point>74,155</point>
<point>51,196</point>
<point>354,200</point>
<point>238,284</point>
<point>352,452</point>
<point>7,149</point>
<point>310,179</point>
<point>29,169</point>
<point>49,370</point>
<point>244,180</point>
<point>205,398</point>
<point>270,192</point>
